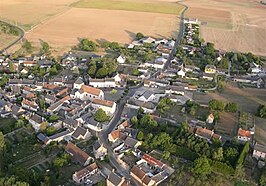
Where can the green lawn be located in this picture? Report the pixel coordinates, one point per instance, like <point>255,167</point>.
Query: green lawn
<point>131,5</point>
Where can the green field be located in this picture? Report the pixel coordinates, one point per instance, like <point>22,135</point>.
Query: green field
<point>131,5</point>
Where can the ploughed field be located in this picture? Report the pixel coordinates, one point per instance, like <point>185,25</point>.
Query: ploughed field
<point>231,25</point>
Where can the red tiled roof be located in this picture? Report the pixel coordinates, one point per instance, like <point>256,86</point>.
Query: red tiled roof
<point>244,133</point>
<point>151,160</point>
<point>91,90</point>
<point>103,102</point>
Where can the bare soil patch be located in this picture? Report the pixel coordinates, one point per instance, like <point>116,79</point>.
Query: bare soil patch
<point>112,25</point>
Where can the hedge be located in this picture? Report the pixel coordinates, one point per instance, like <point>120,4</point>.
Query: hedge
<point>243,154</point>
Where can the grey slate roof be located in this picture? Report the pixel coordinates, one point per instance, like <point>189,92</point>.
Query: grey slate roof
<point>80,131</point>
<point>114,178</point>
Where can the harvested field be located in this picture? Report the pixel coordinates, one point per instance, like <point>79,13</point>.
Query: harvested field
<point>111,25</point>
<point>238,26</point>
<point>6,39</point>
<point>156,6</point>
<point>27,13</point>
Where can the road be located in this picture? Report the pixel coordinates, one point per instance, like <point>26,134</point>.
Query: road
<point>103,136</point>
<point>22,33</point>
<point>178,38</point>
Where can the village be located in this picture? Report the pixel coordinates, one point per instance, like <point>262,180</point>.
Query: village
<point>133,115</point>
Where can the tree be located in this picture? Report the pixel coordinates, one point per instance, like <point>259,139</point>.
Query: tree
<point>231,107</point>
<point>114,45</point>
<point>231,155</point>
<point>19,123</point>
<point>140,135</point>
<point>50,130</point>
<point>11,67</point>
<point>61,161</point>
<point>135,72</point>
<point>262,111</point>
<point>101,116</point>
<point>263,178</point>
<point>53,70</point>
<point>134,120</point>
<point>45,47</point>
<point>88,45</point>
<point>92,69</point>
<point>12,181</point>
<point>164,105</point>
<point>201,166</point>
<point>166,155</point>
<point>27,46</point>
<point>53,118</point>
<point>139,36</point>
<point>216,105</point>
<point>147,122</point>
<point>140,113</point>
<point>218,154</point>
<point>102,72</point>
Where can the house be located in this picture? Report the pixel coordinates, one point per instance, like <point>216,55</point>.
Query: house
<point>147,96</point>
<point>175,90</point>
<point>181,73</point>
<point>16,111</point>
<point>29,63</point>
<point>115,135</point>
<point>210,119</point>
<point>206,134</point>
<point>132,143</point>
<point>115,180</point>
<point>210,69</point>
<point>50,99</point>
<point>148,40</point>
<point>81,176</point>
<point>121,59</point>
<point>36,121</point>
<point>107,106</point>
<point>99,150</point>
<point>244,135</point>
<point>88,93</point>
<point>148,107</point>
<point>78,155</point>
<point>78,83</point>
<point>31,105</point>
<point>140,176</point>
<point>70,123</point>
<point>124,125</point>
<point>102,83</point>
<point>24,71</point>
<point>208,76</point>
<point>81,133</point>
<point>259,152</point>
<point>58,137</point>
<point>253,80</point>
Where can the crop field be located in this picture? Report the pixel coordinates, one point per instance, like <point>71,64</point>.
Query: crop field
<point>237,26</point>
